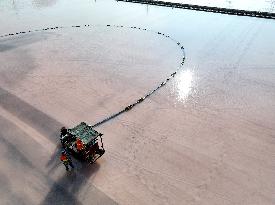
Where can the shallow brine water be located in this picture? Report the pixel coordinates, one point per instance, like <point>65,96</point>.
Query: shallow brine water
<point>207,137</point>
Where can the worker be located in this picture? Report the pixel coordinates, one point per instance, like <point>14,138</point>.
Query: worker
<point>63,131</point>
<point>79,145</point>
<point>63,134</point>
<point>66,160</point>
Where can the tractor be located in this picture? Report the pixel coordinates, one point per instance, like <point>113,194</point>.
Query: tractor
<point>91,139</point>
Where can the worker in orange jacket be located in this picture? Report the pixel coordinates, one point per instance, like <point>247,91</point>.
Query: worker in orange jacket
<point>66,160</point>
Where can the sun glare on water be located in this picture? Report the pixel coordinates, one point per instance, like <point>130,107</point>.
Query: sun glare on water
<point>184,83</point>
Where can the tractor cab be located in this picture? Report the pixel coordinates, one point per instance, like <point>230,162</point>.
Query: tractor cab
<point>90,138</point>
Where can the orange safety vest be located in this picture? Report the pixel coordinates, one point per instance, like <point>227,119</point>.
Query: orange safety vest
<point>79,145</point>
<point>63,158</point>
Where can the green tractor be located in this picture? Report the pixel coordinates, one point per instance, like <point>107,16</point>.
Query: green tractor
<point>90,138</point>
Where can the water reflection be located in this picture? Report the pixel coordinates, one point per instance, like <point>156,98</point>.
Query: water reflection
<point>184,83</point>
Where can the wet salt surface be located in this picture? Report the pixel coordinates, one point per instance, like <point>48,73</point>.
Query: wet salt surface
<point>207,137</point>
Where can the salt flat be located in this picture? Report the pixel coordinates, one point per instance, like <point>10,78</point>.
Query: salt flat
<point>207,137</point>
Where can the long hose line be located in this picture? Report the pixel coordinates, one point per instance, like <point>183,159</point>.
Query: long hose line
<point>228,11</point>
<point>141,99</point>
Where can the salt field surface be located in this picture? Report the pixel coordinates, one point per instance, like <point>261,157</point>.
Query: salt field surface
<point>206,137</point>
